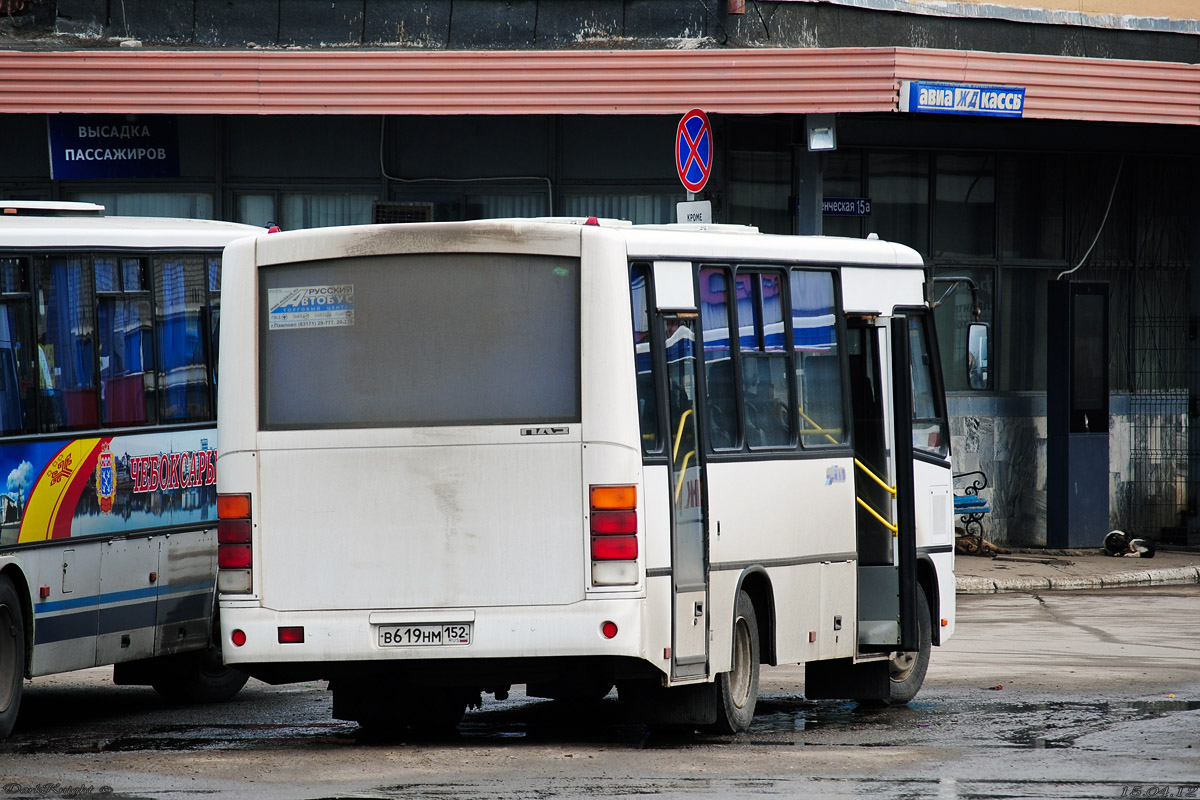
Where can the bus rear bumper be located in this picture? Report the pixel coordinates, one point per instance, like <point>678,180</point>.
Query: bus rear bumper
<point>593,628</point>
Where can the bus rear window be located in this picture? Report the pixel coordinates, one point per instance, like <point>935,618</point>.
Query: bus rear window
<point>416,340</point>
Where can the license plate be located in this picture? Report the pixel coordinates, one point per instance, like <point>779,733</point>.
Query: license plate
<point>454,633</point>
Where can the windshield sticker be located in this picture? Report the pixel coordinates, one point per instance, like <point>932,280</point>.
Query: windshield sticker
<point>310,307</point>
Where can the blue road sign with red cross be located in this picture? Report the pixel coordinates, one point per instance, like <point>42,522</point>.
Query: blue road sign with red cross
<point>694,150</point>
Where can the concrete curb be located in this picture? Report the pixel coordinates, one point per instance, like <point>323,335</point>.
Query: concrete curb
<point>1152,577</point>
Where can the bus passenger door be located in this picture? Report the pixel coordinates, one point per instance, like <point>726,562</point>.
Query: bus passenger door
<point>886,527</point>
<point>689,539</point>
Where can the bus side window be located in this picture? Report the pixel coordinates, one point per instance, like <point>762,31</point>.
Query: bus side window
<point>126,342</point>
<point>18,356</point>
<point>66,333</point>
<point>723,422</point>
<point>181,297</point>
<point>929,418</point>
<point>766,392</point>
<point>639,277</point>
<point>818,364</point>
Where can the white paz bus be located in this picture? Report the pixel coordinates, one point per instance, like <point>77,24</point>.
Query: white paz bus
<point>461,456</point>
<point>108,448</point>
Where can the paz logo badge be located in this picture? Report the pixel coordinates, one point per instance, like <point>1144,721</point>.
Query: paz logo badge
<point>106,478</point>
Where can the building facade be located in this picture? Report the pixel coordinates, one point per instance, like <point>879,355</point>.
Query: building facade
<point>1077,160</point>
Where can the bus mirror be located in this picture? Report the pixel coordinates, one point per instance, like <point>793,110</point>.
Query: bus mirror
<point>977,355</point>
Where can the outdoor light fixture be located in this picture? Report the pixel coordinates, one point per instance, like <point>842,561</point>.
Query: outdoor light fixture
<point>822,132</point>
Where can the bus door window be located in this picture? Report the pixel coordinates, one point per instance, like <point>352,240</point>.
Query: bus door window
<point>181,298</point>
<point>686,472</point>
<point>66,334</point>
<point>126,342</point>
<point>818,363</point>
<point>870,441</point>
<point>929,418</point>
<point>723,421</point>
<point>643,359</point>
<point>18,359</point>
<point>766,383</point>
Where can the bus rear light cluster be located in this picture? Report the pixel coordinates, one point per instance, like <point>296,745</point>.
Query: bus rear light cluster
<point>235,536</point>
<point>614,531</point>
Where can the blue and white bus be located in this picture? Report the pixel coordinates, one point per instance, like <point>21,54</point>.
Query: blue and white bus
<point>108,449</point>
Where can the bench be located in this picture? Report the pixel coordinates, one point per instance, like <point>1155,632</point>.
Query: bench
<point>969,507</point>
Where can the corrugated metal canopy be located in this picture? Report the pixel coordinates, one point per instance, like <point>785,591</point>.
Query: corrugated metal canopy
<point>849,80</point>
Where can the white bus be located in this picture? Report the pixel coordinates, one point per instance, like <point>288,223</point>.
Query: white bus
<point>462,456</point>
<point>108,449</point>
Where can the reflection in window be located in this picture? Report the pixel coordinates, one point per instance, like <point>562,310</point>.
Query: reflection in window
<point>965,213</point>
<point>642,358</point>
<point>818,368</point>
<point>899,192</point>
<point>1020,353</point>
<point>953,316</point>
<point>193,205</point>
<point>759,185</point>
<point>841,176</point>
<point>765,379</point>
<point>214,317</point>
<point>723,421</point>
<point>1031,207</point>
<point>928,429</point>
<point>126,341</point>
<point>18,372</point>
<point>181,304</point>
<point>640,209</point>
<point>302,210</point>
<point>66,342</point>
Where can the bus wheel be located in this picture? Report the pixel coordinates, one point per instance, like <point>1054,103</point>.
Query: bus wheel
<point>199,677</point>
<point>12,656</point>
<point>908,669</point>
<point>737,690</point>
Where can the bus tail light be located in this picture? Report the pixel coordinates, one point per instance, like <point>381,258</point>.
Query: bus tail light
<point>235,533</point>
<point>614,532</point>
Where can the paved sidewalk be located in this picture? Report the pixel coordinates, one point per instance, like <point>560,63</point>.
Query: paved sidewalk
<point>1026,570</point>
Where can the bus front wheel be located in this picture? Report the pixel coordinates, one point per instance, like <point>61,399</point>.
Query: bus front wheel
<point>12,656</point>
<point>737,690</point>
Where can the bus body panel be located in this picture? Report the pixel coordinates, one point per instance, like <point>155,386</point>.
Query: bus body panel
<point>397,527</point>
<point>498,236</point>
<point>786,510</point>
<point>880,290</point>
<point>607,377</point>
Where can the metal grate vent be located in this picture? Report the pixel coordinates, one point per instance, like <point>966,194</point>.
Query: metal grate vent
<point>402,212</point>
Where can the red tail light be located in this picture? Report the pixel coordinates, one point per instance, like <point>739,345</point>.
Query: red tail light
<point>614,548</point>
<point>613,522</point>
<point>233,556</point>
<point>235,538</point>
<point>614,529</point>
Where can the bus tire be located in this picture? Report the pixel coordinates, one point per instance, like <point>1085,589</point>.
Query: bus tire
<point>12,656</point>
<point>200,676</point>
<point>737,690</point>
<point>907,669</point>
